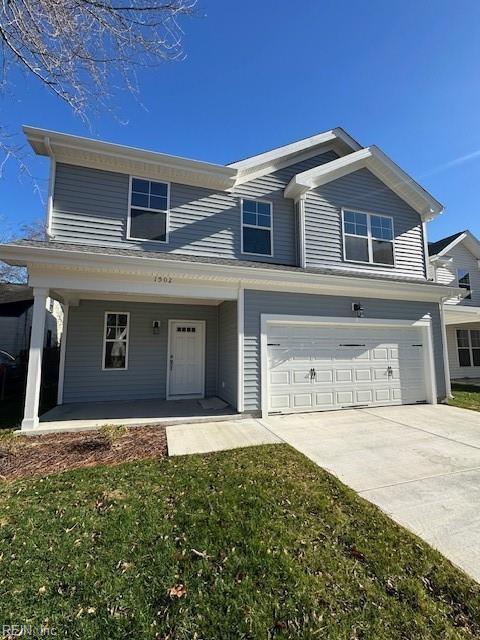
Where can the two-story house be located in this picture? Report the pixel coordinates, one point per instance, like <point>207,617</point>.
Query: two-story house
<point>455,261</point>
<point>294,280</point>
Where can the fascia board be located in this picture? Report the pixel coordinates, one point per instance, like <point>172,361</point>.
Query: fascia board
<point>286,150</point>
<point>70,148</point>
<point>339,285</point>
<point>452,244</point>
<point>379,164</point>
<point>303,182</point>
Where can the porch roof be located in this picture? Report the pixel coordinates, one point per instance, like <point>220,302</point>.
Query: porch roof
<point>70,249</point>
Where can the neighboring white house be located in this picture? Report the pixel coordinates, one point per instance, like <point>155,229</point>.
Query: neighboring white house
<point>294,280</point>
<point>16,306</point>
<point>455,262</point>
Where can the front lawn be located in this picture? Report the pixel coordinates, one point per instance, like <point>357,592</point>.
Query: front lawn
<point>253,543</point>
<point>465,396</point>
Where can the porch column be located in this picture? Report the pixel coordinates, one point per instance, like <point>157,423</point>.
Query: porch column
<point>34,374</point>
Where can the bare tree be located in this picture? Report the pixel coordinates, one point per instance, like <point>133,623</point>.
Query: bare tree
<point>31,231</point>
<point>80,48</point>
<point>83,51</point>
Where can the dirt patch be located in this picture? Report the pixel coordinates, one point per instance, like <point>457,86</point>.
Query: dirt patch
<point>54,452</point>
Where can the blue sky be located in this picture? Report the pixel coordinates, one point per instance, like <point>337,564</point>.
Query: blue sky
<point>400,74</point>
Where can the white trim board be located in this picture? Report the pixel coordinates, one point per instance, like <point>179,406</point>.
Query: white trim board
<point>425,323</point>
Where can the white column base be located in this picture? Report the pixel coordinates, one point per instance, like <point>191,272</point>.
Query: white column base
<point>30,423</point>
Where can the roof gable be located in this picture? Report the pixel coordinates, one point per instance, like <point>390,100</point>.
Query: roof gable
<point>373,159</point>
<point>443,246</point>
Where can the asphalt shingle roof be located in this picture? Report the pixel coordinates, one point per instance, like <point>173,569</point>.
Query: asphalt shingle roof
<point>439,245</point>
<point>163,255</point>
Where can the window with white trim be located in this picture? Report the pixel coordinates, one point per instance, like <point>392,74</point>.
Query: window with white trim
<point>149,203</point>
<point>468,344</point>
<point>368,237</point>
<point>463,277</point>
<point>257,227</point>
<point>115,340</point>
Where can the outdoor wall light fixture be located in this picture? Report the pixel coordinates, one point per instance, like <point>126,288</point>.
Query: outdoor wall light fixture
<point>156,327</point>
<point>358,309</point>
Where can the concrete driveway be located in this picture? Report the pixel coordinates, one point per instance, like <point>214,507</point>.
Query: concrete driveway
<point>419,464</point>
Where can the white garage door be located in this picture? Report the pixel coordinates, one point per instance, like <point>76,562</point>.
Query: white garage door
<point>314,368</point>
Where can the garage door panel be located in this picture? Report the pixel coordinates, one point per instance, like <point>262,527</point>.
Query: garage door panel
<point>352,367</point>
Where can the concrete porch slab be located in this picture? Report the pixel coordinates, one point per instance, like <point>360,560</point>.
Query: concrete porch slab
<point>92,415</point>
<point>186,439</point>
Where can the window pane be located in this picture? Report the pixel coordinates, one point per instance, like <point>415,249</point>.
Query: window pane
<point>250,218</point>
<point>462,337</point>
<point>349,216</point>
<point>476,357</point>
<point>115,354</point>
<point>122,319</point>
<point>475,337</point>
<point>382,251</point>
<point>361,230</point>
<point>349,228</point>
<point>159,189</point>
<point>463,277</point>
<point>250,205</point>
<point>111,319</point>
<point>263,208</point>
<point>464,357</point>
<point>264,221</point>
<point>140,185</point>
<point>157,202</point>
<point>139,199</point>
<point>356,249</point>
<point>148,225</point>
<point>256,240</point>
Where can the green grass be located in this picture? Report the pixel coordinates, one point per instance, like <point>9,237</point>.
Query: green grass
<point>465,396</point>
<point>266,543</point>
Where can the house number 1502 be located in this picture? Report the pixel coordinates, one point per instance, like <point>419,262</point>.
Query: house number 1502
<point>163,279</point>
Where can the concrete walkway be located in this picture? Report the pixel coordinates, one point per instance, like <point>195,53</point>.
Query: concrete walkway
<point>185,439</point>
<point>419,464</point>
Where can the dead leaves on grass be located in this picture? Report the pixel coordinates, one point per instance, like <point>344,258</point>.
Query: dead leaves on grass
<point>177,591</point>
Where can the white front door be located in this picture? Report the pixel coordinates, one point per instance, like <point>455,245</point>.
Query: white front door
<point>334,367</point>
<point>186,359</point>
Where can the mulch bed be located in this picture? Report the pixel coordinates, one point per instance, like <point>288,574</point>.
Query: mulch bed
<point>54,452</point>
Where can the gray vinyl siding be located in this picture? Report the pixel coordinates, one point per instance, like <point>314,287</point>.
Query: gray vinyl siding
<point>363,191</point>
<point>85,381</point>
<point>90,206</point>
<point>258,302</point>
<point>456,371</point>
<point>227,352</point>
<point>462,259</point>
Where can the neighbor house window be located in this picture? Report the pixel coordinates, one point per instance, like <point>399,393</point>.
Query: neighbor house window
<point>115,340</point>
<point>468,343</point>
<point>257,227</point>
<point>464,282</point>
<point>149,202</point>
<point>367,237</point>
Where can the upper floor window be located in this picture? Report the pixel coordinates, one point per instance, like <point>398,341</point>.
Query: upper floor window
<point>464,282</point>
<point>257,227</point>
<point>368,237</point>
<point>149,202</point>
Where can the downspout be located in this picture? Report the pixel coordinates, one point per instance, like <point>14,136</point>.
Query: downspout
<point>446,366</point>
<point>51,182</point>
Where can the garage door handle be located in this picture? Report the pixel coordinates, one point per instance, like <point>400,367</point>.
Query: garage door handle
<point>389,372</point>
<point>313,374</point>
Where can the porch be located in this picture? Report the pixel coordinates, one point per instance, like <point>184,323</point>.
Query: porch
<point>82,415</point>
<point>137,357</point>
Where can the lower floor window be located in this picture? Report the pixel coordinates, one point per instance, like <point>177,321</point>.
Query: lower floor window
<point>468,343</point>
<point>115,340</point>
